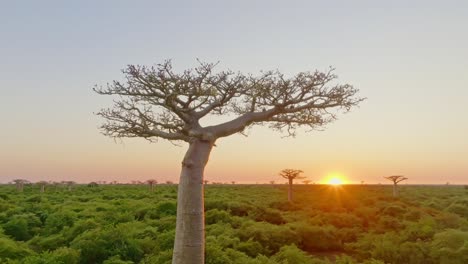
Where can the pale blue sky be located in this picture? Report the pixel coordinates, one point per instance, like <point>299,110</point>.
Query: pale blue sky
<point>409,59</point>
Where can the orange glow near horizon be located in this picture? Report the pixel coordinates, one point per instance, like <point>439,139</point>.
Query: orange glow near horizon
<point>335,179</point>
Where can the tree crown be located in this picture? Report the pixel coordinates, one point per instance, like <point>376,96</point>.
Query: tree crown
<point>156,102</point>
<point>291,174</point>
<point>396,178</point>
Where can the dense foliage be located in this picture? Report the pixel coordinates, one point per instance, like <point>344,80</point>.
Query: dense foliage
<point>117,224</point>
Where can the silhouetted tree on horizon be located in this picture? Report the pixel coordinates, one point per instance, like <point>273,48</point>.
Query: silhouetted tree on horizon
<point>20,184</point>
<point>290,175</point>
<point>395,179</point>
<point>42,184</point>
<point>152,183</point>
<point>156,102</point>
<point>69,184</point>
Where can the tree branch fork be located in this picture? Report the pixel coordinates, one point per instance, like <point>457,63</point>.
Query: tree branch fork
<point>155,102</point>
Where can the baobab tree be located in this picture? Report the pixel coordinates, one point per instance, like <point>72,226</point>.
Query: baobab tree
<point>290,175</point>
<point>152,183</point>
<point>306,182</point>
<point>20,184</point>
<point>42,184</point>
<point>69,184</point>
<point>159,103</point>
<point>395,179</point>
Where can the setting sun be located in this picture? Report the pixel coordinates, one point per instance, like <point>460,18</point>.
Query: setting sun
<point>335,181</point>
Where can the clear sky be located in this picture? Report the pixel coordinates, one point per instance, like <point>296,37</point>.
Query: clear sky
<point>409,58</point>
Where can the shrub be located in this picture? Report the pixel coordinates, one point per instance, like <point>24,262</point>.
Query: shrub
<point>12,249</point>
<point>393,210</point>
<point>214,216</point>
<point>291,255</point>
<point>450,246</point>
<point>57,221</point>
<point>58,256</point>
<point>272,216</point>
<point>459,209</point>
<point>317,238</point>
<point>271,237</point>
<point>23,226</point>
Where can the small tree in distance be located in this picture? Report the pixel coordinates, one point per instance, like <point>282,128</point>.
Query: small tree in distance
<point>306,182</point>
<point>42,184</point>
<point>290,175</point>
<point>20,184</point>
<point>395,179</point>
<point>156,102</point>
<point>152,183</point>
<point>69,184</point>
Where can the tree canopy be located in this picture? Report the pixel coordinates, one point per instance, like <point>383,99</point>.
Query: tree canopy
<point>156,102</point>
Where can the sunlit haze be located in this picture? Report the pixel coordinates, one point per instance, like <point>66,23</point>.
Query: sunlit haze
<point>408,58</point>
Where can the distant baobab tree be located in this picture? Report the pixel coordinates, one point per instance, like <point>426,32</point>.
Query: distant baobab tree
<point>69,184</point>
<point>395,179</point>
<point>169,182</point>
<point>307,182</point>
<point>56,185</point>
<point>93,184</point>
<point>20,184</point>
<point>156,102</point>
<point>233,182</point>
<point>290,175</point>
<point>206,181</point>
<point>152,183</point>
<point>42,184</point>
<point>272,182</point>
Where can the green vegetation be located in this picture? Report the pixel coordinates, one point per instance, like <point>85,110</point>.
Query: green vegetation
<point>245,224</point>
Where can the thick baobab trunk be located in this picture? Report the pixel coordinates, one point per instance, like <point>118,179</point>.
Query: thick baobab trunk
<point>42,188</point>
<point>395,189</point>
<point>290,196</point>
<point>189,244</point>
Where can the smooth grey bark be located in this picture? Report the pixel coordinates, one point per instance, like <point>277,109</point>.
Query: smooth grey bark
<point>290,196</point>
<point>189,244</point>
<point>395,191</point>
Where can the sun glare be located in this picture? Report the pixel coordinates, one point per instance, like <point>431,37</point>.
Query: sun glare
<point>335,181</point>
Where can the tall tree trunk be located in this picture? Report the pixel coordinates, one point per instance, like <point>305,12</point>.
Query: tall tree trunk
<point>395,191</point>
<point>42,188</point>
<point>290,196</point>
<point>189,244</point>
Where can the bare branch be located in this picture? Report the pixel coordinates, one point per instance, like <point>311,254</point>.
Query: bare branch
<point>157,102</point>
